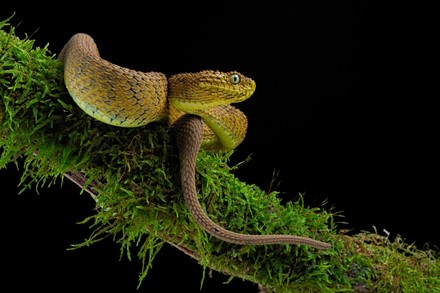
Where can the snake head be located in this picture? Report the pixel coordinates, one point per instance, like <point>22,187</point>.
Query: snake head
<point>206,89</point>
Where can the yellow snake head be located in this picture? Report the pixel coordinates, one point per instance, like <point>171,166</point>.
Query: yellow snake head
<point>208,94</point>
<point>190,92</point>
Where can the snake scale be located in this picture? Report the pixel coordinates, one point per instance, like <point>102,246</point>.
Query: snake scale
<point>197,105</point>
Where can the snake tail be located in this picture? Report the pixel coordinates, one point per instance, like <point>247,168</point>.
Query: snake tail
<point>189,131</point>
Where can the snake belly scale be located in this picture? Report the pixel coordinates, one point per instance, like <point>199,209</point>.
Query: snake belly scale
<point>197,105</point>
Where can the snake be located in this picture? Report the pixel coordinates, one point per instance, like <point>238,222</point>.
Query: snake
<point>197,105</point>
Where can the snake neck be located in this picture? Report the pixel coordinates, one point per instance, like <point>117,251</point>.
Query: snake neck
<point>223,128</point>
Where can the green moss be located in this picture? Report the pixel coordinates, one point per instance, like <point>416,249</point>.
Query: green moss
<point>134,174</point>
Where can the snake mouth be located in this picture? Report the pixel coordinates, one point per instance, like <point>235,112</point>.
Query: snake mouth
<point>215,96</point>
<point>208,101</point>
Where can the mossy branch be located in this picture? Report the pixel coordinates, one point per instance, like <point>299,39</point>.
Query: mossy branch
<point>133,176</point>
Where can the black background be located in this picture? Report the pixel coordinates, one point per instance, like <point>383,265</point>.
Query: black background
<point>340,113</point>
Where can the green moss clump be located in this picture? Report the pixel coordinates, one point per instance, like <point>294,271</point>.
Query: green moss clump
<point>133,175</point>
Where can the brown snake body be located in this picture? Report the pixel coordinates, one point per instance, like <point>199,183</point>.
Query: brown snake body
<point>197,105</point>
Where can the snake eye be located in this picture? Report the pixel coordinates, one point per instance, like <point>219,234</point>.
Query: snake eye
<point>235,78</point>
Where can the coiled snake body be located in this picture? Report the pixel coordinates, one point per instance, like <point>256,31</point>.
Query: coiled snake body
<point>196,104</point>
